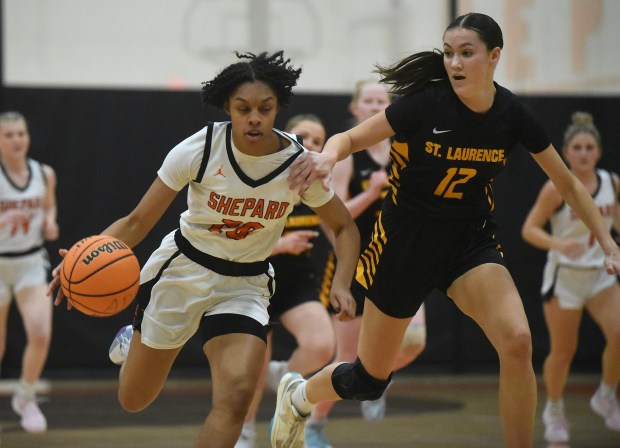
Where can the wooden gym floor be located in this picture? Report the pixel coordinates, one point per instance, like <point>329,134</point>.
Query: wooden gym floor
<point>438,411</point>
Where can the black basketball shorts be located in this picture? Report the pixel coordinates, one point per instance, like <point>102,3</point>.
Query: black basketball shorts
<point>409,256</point>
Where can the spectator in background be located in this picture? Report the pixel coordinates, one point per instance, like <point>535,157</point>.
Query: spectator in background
<point>295,304</point>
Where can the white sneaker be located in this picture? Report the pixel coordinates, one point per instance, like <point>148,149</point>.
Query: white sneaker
<point>374,410</point>
<point>287,425</point>
<point>120,345</point>
<point>315,435</point>
<point>275,371</point>
<point>247,438</point>
<point>32,419</point>
<point>607,407</point>
<point>556,427</point>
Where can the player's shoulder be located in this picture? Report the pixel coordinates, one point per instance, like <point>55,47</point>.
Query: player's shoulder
<point>615,179</point>
<point>508,101</point>
<point>46,169</point>
<point>550,191</point>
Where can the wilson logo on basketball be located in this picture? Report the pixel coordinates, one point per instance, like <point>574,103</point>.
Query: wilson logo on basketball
<point>100,276</point>
<point>106,248</point>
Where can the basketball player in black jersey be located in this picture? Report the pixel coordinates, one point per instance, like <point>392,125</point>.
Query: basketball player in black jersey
<point>454,128</point>
<point>362,183</point>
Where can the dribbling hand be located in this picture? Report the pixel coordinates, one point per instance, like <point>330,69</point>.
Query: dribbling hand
<point>54,284</point>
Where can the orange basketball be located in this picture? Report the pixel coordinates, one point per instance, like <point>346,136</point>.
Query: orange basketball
<point>100,275</point>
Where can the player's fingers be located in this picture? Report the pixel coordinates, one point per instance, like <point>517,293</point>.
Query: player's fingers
<point>299,161</point>
<point>308,234</point>
<point>345,316</point>
<point>59,298</point>
<point>299,178</point>
<point>52,286</point>
<point>56,270</point>
<point>295,170</point>
<point>325,183</point>
<point>612,267</point>
<point>310,178</point>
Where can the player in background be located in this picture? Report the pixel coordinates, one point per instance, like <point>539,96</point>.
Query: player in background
<point>212,272</point>
<point>297,259</point>
<point>27,220</point>
<point>574,277</point>
<point>361,180</point>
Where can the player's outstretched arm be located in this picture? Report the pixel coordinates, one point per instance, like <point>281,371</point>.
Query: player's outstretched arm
<point>347,246</point>
<point>132,229</point>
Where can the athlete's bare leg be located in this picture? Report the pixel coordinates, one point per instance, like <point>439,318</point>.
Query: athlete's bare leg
<point>488,295</point>
<point>36,311</point>
<point>236,361</point>
<point>311,326</point>
<point>563,327</point>
<point>377,354</point>
<point>143,374</point>
<point>605,309</point>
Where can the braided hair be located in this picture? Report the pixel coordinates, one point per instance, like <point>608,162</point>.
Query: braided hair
<point>415,71</point>
<point>273,70</point>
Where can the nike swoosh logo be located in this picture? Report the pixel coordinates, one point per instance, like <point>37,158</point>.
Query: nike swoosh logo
<point>435,131</point>
<point>365,172</point>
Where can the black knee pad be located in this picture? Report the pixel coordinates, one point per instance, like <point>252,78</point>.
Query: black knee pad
<point>352,382</point>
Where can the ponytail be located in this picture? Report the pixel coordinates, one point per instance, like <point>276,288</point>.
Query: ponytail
<point>414,72</point>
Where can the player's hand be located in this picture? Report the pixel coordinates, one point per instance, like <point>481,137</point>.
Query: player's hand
<point>54,284</point>
<point>572,249</point>
<point>612,262</point>
<point>378,181</point>
<point>50,230</point>
<point>15,219</point>
<point>343,302</point>
<point>307,168</point>
<point>297,242</point>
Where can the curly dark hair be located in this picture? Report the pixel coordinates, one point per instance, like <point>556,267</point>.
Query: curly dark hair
<point>273,70</point>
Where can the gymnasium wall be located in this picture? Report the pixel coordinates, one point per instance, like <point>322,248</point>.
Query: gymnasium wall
<point>106,146</point>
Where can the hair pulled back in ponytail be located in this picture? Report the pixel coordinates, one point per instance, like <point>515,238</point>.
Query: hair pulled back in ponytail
<point>414,72</point>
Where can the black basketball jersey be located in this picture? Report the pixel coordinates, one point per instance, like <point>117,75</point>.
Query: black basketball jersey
<point>363,166</point>
<point>302,218</point>
<point>445,156</point>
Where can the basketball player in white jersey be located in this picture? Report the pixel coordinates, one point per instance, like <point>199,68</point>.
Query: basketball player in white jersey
<point>575,279</point>
<point>27,219</point>
<point>212,272</point>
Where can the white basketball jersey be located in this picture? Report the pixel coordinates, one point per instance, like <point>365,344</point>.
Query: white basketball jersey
<point>29,199</point>
<point>237,203</point>
<point>566,224</point>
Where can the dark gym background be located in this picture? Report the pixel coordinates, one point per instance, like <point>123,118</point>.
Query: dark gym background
<point>106,147</point>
